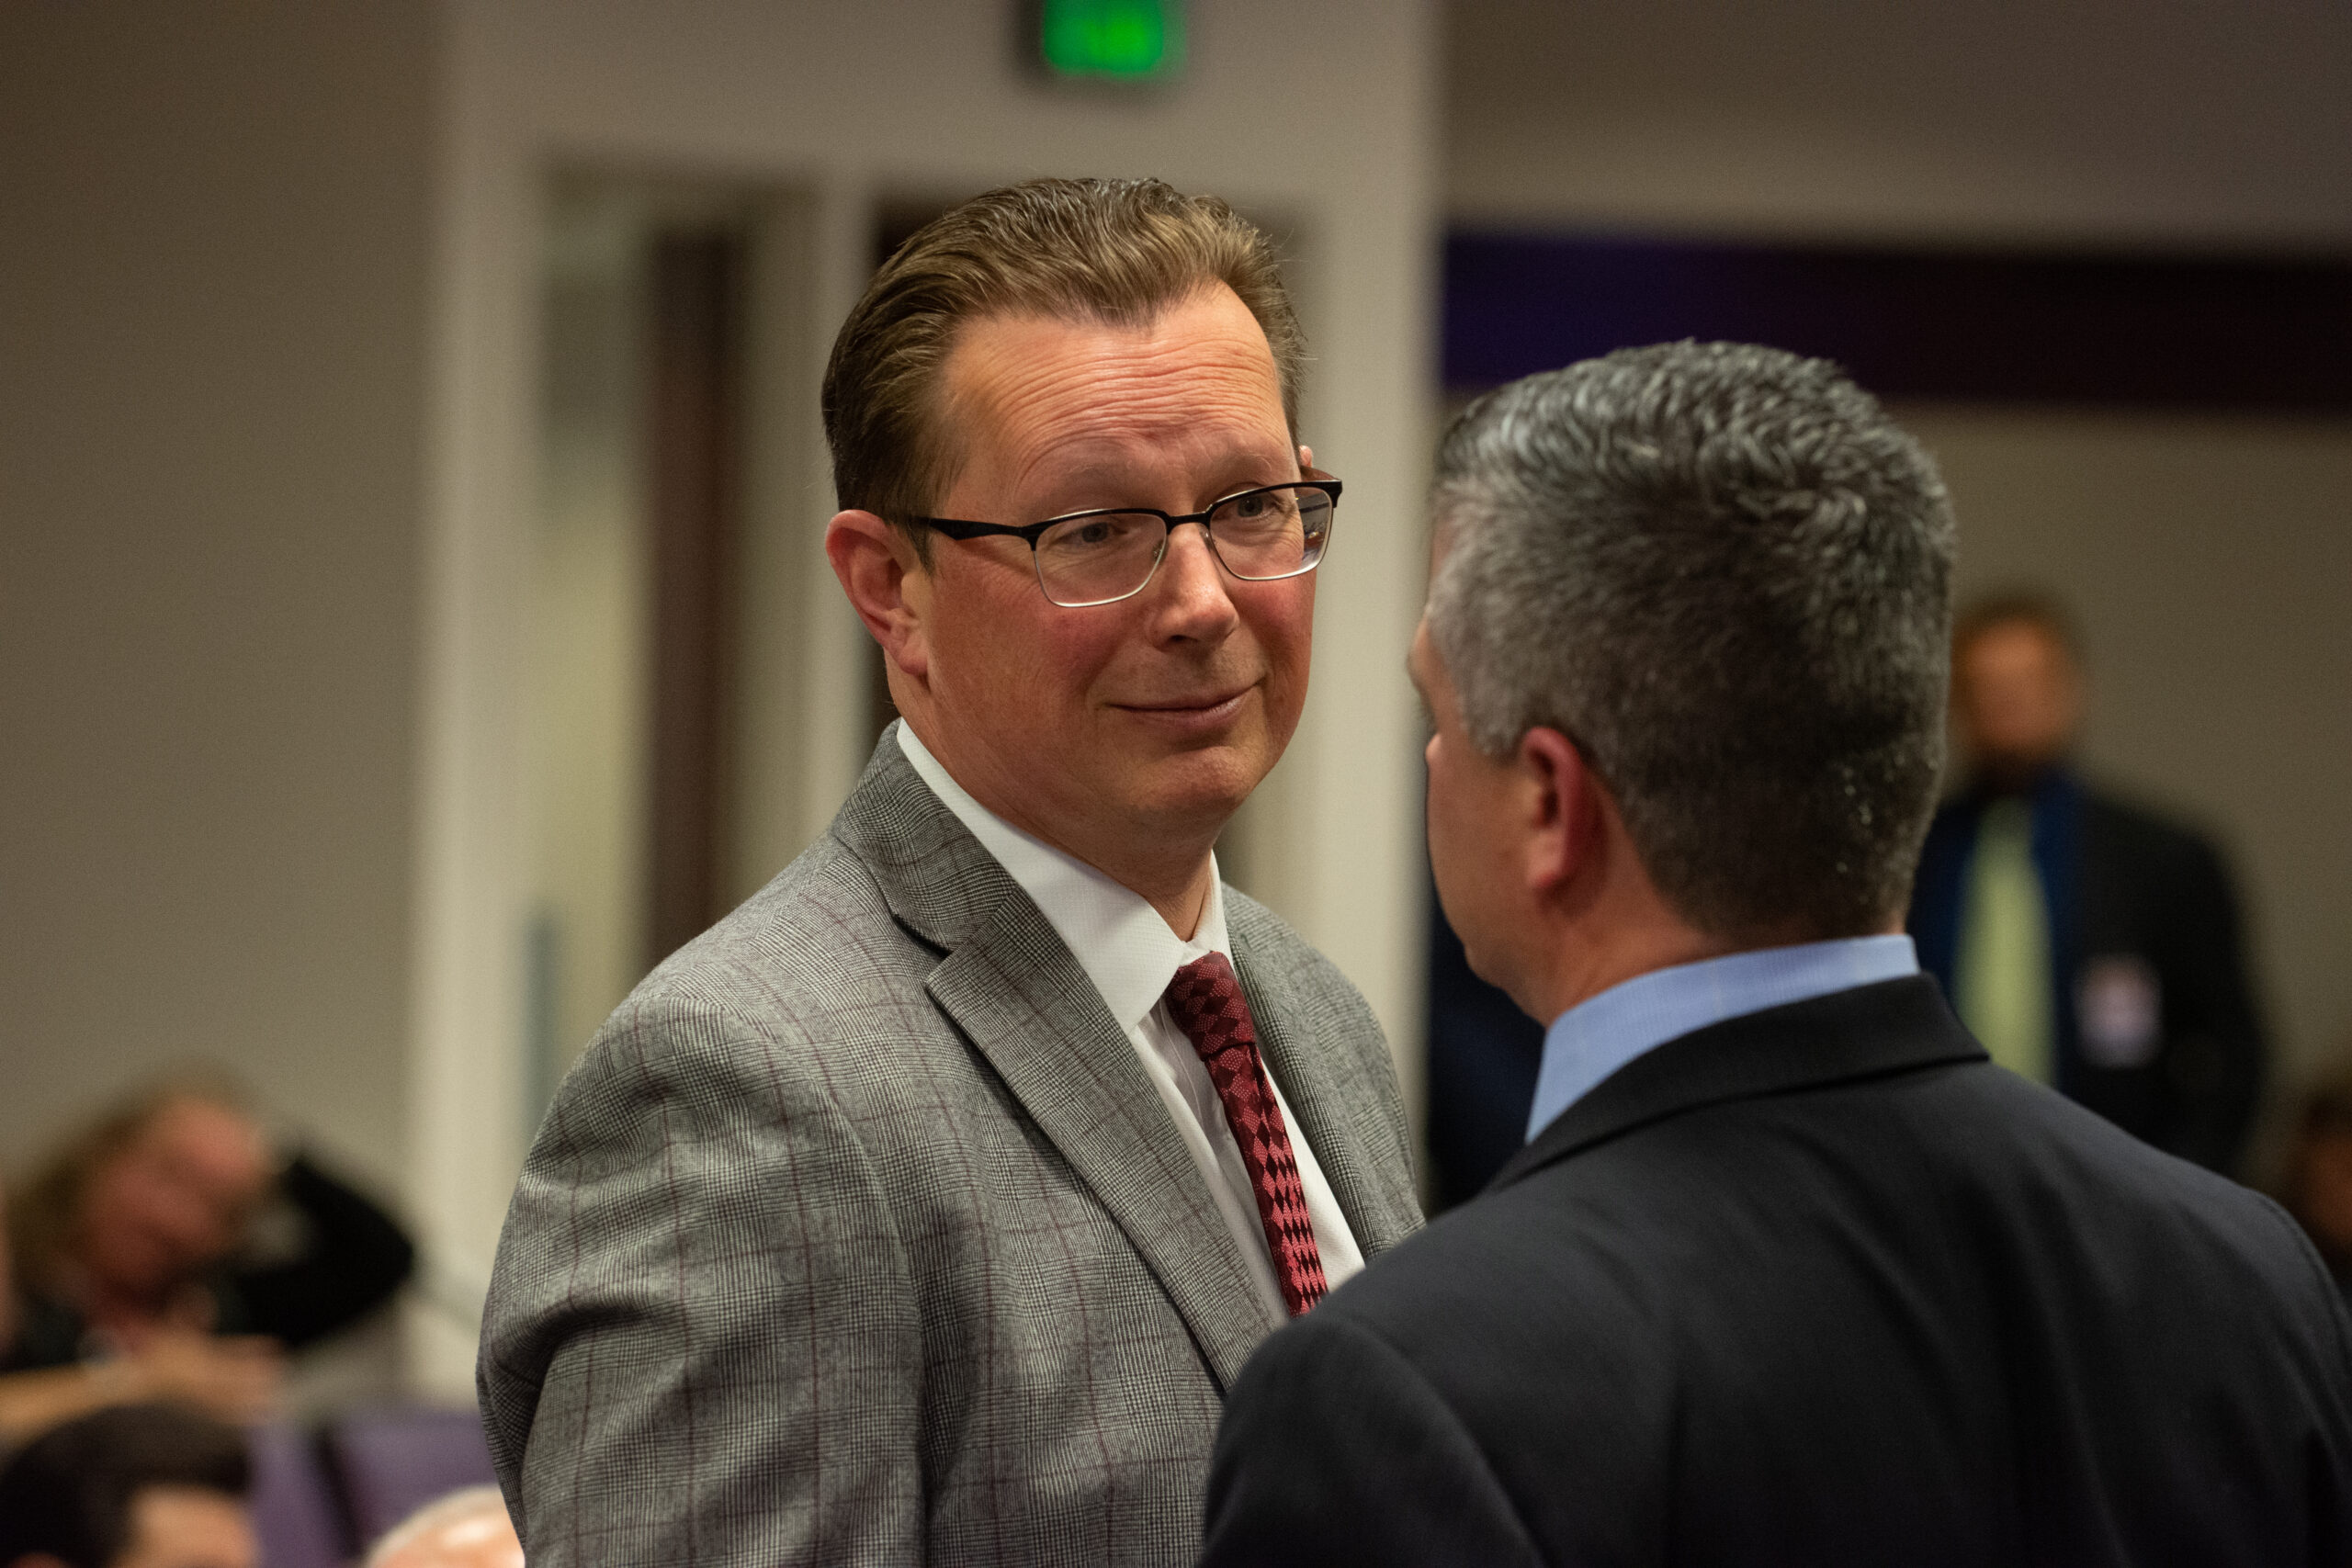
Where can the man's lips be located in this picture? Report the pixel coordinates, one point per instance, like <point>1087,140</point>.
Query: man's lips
<point>1205,714</point>
<point>1199,704</point>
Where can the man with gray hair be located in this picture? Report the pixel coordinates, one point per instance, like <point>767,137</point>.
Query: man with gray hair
<point>1788,1271</point>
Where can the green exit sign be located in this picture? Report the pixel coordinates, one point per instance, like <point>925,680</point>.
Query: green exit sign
<point>1111,41</point>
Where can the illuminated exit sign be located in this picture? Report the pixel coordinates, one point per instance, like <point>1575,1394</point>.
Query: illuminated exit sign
<point>1111,41</point>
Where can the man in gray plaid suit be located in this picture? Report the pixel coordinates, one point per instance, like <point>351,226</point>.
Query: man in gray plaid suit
<point>924,1208</point>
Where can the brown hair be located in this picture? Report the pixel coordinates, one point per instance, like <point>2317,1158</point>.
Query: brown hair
<point>1112,250</point>
<point>68,1495</point>
<point>2019,606</point>
<point>45,1206</point>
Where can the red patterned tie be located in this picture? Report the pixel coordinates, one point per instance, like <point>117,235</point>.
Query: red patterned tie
<point>1205,1001</point>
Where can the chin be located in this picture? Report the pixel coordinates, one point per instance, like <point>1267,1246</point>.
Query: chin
<point>1201,788</point>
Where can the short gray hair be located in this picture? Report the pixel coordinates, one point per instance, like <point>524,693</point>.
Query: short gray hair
<point>1726,574</point>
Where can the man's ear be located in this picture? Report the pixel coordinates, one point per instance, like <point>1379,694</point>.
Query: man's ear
<point>888,586</point>
<point>1563,810</point>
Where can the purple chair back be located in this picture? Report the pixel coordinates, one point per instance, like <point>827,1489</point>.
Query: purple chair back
<point>394,1459</point>
<point>294,1514</point>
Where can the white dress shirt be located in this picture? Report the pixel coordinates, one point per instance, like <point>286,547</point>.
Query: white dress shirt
<point>1131,955</point>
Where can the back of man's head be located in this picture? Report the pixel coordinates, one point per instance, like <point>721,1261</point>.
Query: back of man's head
<point>87,1494</point>
<point>1726,574</point>
<point>1116,251</point>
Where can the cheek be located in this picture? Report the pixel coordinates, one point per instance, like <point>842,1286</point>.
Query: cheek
<point>1282,622</point>
<point>111,1200</point>
<point>998,646</point>
<point>1295,626</point>
<point>1445,803</point>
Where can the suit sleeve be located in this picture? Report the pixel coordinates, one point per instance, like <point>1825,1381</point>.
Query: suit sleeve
<point>1335,1449</point>
<point>2217,1055</point>
<point>354,1256</point>
<point>700,1345</point>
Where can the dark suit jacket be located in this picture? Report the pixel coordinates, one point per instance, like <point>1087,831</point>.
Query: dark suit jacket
<point>859,1235</point>
<point>2135,904</point>
<point>1818,1285</point>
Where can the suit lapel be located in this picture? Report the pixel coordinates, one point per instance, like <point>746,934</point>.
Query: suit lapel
<point>1338,1110</point>
<point>1016,992</point>
<point>1019,994</point>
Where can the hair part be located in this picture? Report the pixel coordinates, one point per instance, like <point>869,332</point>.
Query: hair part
<point>1726,574</point>
<point>1117,252</point>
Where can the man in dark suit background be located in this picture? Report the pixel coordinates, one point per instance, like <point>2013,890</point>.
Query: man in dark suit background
<point>1788,1272</point>
<point>2090,944</point>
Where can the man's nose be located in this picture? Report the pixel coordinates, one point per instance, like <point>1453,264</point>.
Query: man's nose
<point>1193,586</point>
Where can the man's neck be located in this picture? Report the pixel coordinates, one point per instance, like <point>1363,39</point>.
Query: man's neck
<point>1173,874</point>
<point>1589,967</point>
<point>1994,778</point>
<point>1610,957</point>
<point>1175,883</point>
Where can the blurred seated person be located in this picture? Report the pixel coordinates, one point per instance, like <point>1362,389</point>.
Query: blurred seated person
<point>234,1379</point>
<point>465,1529</point>
<point>2088,944</point>
<point>133,1486</point>
<point>167,1242</point>
<point>2318,1185</point>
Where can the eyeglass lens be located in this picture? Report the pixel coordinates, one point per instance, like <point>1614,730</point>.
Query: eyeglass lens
<point>1258,534</point>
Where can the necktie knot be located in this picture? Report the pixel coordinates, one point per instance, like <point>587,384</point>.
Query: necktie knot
<point>1205,1000</point>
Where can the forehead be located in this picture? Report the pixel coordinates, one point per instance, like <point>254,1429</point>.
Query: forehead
<point>201,1141</point>
<point>1033,397</point>
<point>193,1123</point>
<point>2015,642</point>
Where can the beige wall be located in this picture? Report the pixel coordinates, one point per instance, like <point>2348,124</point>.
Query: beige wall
<point>212,305</point>
<point>2210,560</point>
<point>2101,121</point>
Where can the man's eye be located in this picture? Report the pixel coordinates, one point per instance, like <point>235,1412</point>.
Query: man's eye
<point>1093,536</point>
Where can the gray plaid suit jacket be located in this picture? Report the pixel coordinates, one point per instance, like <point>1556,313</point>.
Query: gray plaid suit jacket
<point>859,1235</point>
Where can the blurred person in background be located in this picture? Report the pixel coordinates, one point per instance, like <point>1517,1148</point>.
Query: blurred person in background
<point>465,1529</point>
<point>164,1249</point>
<point>2317,1178</point>
<point>2090,946</point>
<point>236,1379</point>
<point>133,1486</point>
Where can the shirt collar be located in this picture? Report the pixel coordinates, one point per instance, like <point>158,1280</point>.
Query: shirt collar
<point>1601,1033</point>
<point>1117,937</point>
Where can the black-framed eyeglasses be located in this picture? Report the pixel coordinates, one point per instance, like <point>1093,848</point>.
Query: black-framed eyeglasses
<point>1101,558</point>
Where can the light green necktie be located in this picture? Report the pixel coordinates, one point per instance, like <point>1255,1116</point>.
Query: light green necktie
<point>2003,966</point>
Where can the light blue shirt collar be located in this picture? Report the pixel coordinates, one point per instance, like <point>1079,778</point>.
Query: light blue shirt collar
<point>1601,1033</point>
